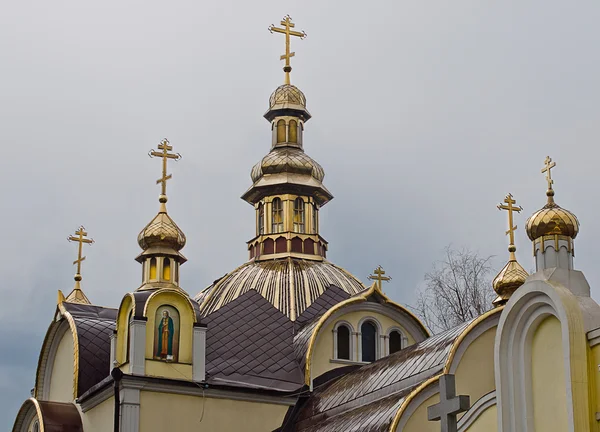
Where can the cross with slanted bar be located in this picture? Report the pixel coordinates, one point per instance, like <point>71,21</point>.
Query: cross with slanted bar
<point>510,207</point>
<point>164,154</point>
<point>81,234</point>
<point>288,25</point>
<point>450,405</point>
<point>548,165</point>
<point>379,276</point>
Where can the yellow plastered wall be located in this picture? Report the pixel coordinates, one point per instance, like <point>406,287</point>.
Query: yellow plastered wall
<point>100,418</point>
<point>182,369</point>
<point>418,420</point>
<point>61,380</point>
<point>123,329</point>
<point>548,378</point>
<point>594,374</point>
<point>486,422</point>
<point>168,412</point>
<point>323,352</point>
<point>475,371</point>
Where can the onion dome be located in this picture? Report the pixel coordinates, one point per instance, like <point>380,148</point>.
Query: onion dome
<point>552,220</point>
<point>287,160</point>
<point>162,231</point>
<point>511,277</point>
<point>287,99</point>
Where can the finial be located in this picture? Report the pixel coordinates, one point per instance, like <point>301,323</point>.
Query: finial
<point>80,237</point>
<point>379,276</point>
<point>510,207</point>
<point>77,296</point>
<point>288,25</point>
<point>164,154</point>
<point>548,165</point>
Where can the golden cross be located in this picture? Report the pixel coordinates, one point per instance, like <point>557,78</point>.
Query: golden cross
<point>288,25</point>
<point>164,154</point>
<point>548,165</point>
<point>81,234</point>
<point>510,207</point>
<point>379,276</point>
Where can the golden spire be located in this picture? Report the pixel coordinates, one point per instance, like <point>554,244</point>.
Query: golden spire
<point>510,207</point>
<point>379,276</point>
<point>165,155</point>
<point>513,275</point>
<point>288,25</point>
<point>77,295</point>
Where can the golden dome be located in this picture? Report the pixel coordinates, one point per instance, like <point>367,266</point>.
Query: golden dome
<point>552,220</point>
<point>290,284</point>
<point>162,231</point>
<point>511,277</point>
<point>287,96</point>
<point>290,160</point>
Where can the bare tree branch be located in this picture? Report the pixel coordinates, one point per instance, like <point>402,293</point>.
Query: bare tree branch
<point>456,290</point>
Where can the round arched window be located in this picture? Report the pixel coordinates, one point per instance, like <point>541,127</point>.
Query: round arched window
<point>368,341</point>
<point>395,341</point>
<point>343,342</point>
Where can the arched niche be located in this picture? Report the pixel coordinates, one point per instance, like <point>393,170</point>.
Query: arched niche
<point>170,300</point>
<point>166,333</point>
<point>124,315</point>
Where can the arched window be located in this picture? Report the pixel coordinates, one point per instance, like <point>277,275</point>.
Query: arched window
<point>152,268</point>
<point>395,341</point>
<point>167,269</point>
<point>343,342</point>
<point>368,341</point>
<point>261,218</point>
<point>293,132</point>
<point>277,216</point>
<point>299,215</point>
<point>314,218</point>
<point>281,131</point>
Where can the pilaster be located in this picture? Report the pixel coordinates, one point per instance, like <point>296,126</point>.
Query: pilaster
<point>137,346</point>
<point>199,353</point>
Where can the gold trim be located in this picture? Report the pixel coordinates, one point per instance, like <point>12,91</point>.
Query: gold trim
<point>38,409</point>
<point>409,399</point>
<point>73,328</point>
<point>170,290</point>
<point>126,296</point>
<point>464,334</point>
<point>355,299</point>
<point>292,290</point>
<point>36,389</point>
<point>61,297</point>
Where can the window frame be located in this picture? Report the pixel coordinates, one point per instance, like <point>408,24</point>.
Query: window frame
<point>350,328</point>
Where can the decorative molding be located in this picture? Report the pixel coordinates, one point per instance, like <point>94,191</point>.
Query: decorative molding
<point>593,337</point>
<point>486,401</point>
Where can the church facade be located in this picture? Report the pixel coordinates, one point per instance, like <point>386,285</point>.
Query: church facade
<point>290,342</point>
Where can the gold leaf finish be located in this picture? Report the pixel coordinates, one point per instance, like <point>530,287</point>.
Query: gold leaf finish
<point>162,231</point>
<point>552,220</point>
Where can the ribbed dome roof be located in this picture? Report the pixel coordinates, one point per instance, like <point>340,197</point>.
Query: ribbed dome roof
<point>162,231</point>
<point>287,159</point>
<point>290,284</point>
<point>552,220</point>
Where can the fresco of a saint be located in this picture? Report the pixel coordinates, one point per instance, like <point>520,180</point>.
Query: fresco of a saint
<point>166,334</point>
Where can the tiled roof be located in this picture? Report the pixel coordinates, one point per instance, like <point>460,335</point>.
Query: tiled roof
<point>94,325</point>
<point>290,285</point>
<point>358,394</point>
<point>249,343</point>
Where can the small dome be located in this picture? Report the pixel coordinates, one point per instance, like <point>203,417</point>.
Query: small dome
<point>287,159</point>
<point>162,231</point>
<point>511,277</point>
<point>552,220</point>
<point>287,96</point>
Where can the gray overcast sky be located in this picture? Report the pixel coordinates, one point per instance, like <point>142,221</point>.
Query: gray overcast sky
<point>425,114</point>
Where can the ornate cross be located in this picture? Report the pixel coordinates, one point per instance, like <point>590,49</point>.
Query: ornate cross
<point>450,405</point>
<point>164,154</point>
<point>510,207</point>
<point>288,25</point>
<point>81,239</point>
<point>379,276</point>
<point>548,165</point>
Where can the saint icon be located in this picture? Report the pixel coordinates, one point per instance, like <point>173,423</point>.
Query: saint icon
<point>166,334</point>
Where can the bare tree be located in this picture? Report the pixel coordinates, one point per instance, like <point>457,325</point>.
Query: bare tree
<point>457,289</point>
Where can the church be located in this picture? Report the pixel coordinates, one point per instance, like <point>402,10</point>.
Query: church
<point>291,342</point>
